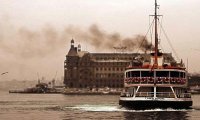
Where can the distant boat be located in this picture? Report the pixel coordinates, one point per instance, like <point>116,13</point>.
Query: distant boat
<point>156,84</point>
<point>39,88</point>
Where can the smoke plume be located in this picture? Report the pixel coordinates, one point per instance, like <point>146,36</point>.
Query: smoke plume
<point>102,40</point>
<point>24,52</point>
<point>28,43</point>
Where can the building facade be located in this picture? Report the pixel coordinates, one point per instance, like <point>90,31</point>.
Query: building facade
<point>98,70</point>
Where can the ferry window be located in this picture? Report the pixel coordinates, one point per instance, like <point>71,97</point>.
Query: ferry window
<point>147,73</point>
<point>182,74</point>
<point>128,74</point>
<point>135,73</point>
<point>162,73</point>
<point>174,74</point>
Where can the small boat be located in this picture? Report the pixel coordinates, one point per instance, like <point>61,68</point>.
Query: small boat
<point>159,83</point>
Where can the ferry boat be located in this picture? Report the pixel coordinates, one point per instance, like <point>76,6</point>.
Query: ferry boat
<point>159,83</point>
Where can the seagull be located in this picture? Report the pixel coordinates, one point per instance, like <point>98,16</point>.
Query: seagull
<point>4,73</point>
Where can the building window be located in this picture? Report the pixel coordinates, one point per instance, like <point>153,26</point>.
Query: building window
<point>122,76</point>
<point>113,75</point>
<point>71,85</point>
<point>109,75</point>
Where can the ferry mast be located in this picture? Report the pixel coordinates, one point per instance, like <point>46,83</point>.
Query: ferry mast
<point>156,37</point>
<point>155,64</point>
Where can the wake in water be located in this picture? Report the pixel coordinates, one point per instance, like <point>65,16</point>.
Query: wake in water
<point>97,108</point>
<point>112,108</point>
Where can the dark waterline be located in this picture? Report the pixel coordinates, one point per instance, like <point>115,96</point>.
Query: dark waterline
<point>68,107</point>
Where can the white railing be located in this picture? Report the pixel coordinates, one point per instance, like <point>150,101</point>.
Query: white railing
<point>158,95</point>
<point>184,95</point>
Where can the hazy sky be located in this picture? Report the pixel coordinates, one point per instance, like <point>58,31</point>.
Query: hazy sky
<point>35,34</point>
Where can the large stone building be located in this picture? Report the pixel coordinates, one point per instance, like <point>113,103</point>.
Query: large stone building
<point>98,70</point>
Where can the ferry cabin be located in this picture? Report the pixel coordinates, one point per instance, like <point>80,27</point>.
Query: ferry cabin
<point>157,83</point>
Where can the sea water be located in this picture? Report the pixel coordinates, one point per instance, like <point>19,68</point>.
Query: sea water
<point>83,107</point>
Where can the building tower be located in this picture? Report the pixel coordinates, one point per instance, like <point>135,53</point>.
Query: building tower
<point>70,67</point>
<point>79,48</point>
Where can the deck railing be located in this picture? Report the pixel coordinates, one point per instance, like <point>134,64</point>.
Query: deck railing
<point>184,95</point>
<point>158,80</point>
<point>158,95</point>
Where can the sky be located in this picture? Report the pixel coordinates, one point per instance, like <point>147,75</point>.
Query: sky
<point>35,34</point>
